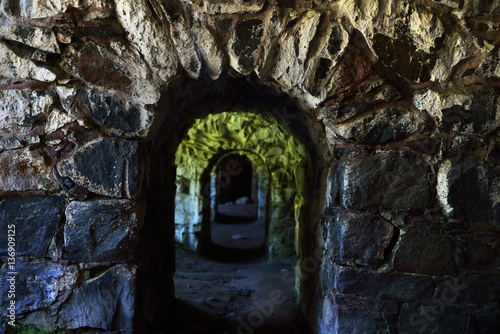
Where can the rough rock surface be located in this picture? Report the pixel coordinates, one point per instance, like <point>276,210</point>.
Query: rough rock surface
<point>15,67</point>
<point>388,180</point>
<point>183,41</point>
<point>34,216</point>
<point>111,296</point>
<point>114,67</point>
<point>39,284</point>
<point>472,114</point>
<point>147,29</point>
<point>332,45</point>
<point>105,167</point>
<point>389,125</point>
<point>294,45</point>
<point>20,110</point>
<point>244,44</point>
<point>115,116</point>
<point>36,9</point>
<point>386,286</point>
<point>452,318</point>
<point>208,48</point>
<point>101,231</point>
<point>57,119</point>
<point>469,190</point>
<point>412,195</point>
<point>424,251</point>
<point>25,170</point>
<point>361,238</point>
<point>36,37</point>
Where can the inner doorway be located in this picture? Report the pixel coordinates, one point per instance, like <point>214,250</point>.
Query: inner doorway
<point>236,226</point>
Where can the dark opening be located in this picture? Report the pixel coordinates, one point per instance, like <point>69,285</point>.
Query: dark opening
<point>235,173</point>
<point>236,231</point>
<point>236,193</point>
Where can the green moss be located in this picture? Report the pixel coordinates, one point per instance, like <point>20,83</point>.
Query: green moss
<point>30,329</point>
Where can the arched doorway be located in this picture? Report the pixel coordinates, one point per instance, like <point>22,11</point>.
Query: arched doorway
<point>236,222</point>
<point>212,98</point>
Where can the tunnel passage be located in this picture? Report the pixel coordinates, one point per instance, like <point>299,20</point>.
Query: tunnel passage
<point>230,164</point>
<point>274,150</point>
<point>238,197</point>
<point>177,163</point>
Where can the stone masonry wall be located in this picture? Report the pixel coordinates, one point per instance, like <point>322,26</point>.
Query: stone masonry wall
<point>401,96</point>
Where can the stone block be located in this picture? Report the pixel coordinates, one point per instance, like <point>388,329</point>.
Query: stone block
<point>36,37</point>
<point>57,120</point>
<point>490,68</point>
<point>244,44</point>
<point>342,314</point>
<point>149,33</point>
<point>483,251</point>
<point>386,286</point>
<point>183,41</point>
<point>358,321</point>
<point>105,302</point>
<point>113,66</point>
<point>293,49</point>
<point>115,116</point>
<point>25,170</point>
<point>391,124</point>
<point>10,144</point>
<point>403,56</point>
<point>469,190</point>
<point>35,220</point>
<point>39,284</point>
<point>473,114</point>
<point>208,48</point>
<point>384,181</point>
<point>14,67</point>
<point>20,110</point>
<point>488,319</point>
<point>424,251</point>
<point>435,319</point>
<point>475,288</point>
<point>93,65</point>
<point>361,238</point>
<point>477,114</point>
<point>105,167</point>
<point>101,231</point>
<point>332,42</point>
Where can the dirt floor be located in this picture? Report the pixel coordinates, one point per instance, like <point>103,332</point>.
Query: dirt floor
<point>246,297</point>
<point>243,235</point>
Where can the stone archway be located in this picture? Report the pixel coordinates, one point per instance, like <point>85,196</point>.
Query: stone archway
<point>260,181</point>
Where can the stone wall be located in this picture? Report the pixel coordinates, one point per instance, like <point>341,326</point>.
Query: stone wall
<point>396,102</point>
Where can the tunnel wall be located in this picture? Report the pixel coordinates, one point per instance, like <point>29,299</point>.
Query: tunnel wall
<point>403,93</point>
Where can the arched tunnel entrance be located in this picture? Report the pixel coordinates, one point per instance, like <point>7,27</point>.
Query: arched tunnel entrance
<point>239,196</point>
<point>276,141</point>
<point>227,233</point>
